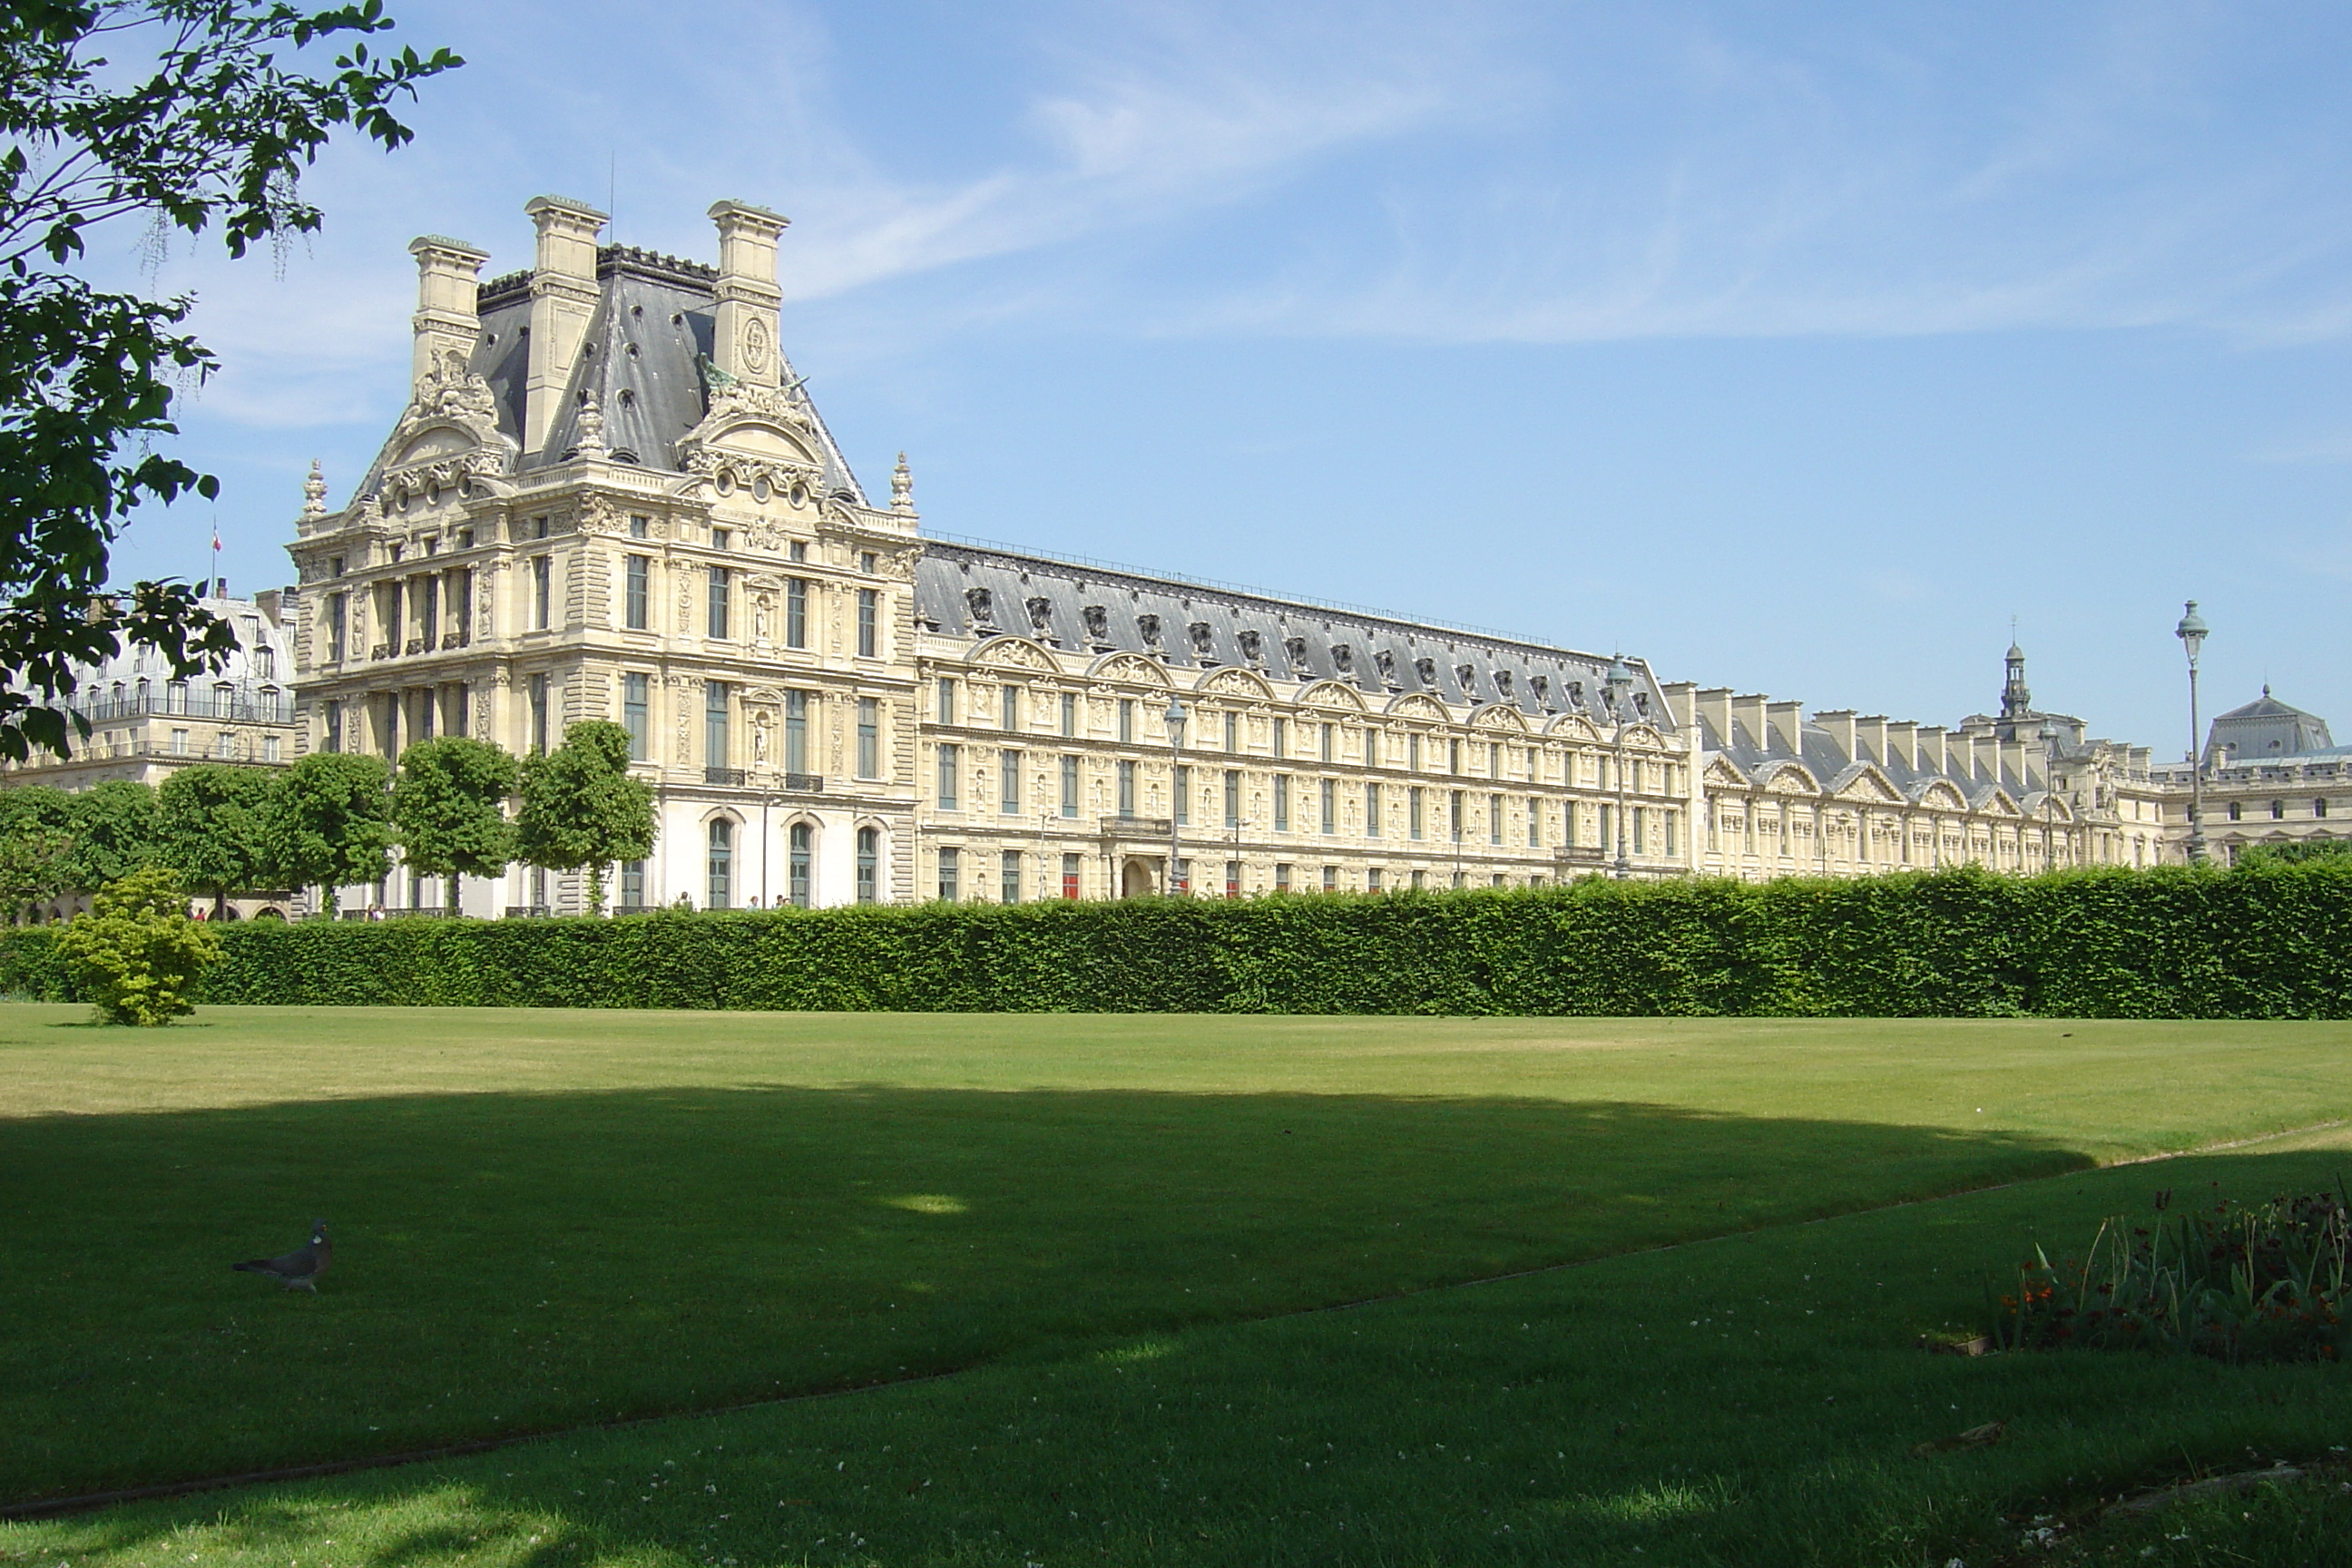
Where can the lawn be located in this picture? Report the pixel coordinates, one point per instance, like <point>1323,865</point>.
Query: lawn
<point>546,1219</point>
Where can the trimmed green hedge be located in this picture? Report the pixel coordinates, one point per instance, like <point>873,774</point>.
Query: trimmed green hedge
<point>2262,941</point>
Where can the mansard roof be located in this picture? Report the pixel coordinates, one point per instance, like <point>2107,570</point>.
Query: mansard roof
<point>644,360</point>
<point>980,591</point>
<point>1756,759</point>
<point>2266,729</point>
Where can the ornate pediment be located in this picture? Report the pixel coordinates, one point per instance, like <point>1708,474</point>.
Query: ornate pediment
<point>1015,653</point>
<point>760,438</point>
<point>1573,727</point>
<point>1869,787</point>
<point>1788,778</point>
<point>1413,705</point>
<point>1943,795</point>
<point>448,436</point>
<point>1233,683</point>
<point>1500,716</point>
<point>1331,694</point>
<point>1133,666</point>
<point>1722,772</point>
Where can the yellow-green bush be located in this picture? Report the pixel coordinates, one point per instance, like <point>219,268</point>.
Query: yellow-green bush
<point>136,954</point>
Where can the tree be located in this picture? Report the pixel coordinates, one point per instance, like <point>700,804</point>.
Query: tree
<point>329,823</point>
<point>581,809</point>
<point>206,118</point>
<point>450,808</point>
<point>35,847</point>
<point>137,952</point>
<point>116,830</point>
<point>214,819</point>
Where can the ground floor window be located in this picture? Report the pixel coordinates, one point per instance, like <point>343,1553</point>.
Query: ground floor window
<point>803,841</point>
<point>719,893</point>
<point>1233,878</point>
<point>1008,877</point>
<point>1331,879</point>
<point>1069,876</point>
<point>869,853</point>
<point>1372,879</point>
<point>633,884</point>
<point>950,875</point>
<point>1282,878</point>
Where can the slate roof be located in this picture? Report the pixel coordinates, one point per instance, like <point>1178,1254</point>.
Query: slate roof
<point>964,590</point>
<point>1831,765</point>
<point>2266,729</point>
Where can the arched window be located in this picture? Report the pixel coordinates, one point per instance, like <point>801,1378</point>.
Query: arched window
<point>869,853</point>
<point>722,864</point>
<point>802,838</point>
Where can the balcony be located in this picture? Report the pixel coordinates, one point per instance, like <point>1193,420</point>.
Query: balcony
<point>734,778</point>
<point>236,706</point>
<point>804,784</point>
<point>1156,828</point>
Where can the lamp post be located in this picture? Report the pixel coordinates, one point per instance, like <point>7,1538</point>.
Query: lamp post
<point>1619,686</point>
<point>2191,632</point>
<point>1175,716</point>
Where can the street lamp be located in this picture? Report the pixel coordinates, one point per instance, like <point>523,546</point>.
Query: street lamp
<point>1619,686</point>
<point>1175,716</point>
<point>2191,633</point>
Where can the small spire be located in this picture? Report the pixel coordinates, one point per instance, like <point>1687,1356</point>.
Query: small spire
<point>314,494</point>
<point>902,487</point>
<point>592,428</point>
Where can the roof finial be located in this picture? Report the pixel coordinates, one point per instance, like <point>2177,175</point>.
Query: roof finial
<point>314,494</point>
<point>902,487</point>
<point>591,426</point>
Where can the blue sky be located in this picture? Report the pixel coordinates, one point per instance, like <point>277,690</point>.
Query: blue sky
<point>1796,347</point>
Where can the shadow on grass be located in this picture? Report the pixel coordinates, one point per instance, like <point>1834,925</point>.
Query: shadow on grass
<point>1753,1400</point>
<point>530,1262</point>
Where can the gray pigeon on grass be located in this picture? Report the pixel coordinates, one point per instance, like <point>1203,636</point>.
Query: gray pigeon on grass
<point>298,1269</point>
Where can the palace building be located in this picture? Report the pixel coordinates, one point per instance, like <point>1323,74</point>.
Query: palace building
<point>610,497</point>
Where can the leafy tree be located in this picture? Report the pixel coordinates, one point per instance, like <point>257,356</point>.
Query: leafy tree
<point>116,830</point>
<point>2295,851</point>
<point>137,952</point>
<point>215,820</point>
<point>329,823</point>
<point>581,809</point>
<point>33,867</point>
<point>206,117</point>
<point>449,807</point>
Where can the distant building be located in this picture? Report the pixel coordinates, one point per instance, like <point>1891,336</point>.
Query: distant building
<point>2273,775</point>
<point>144,724</point>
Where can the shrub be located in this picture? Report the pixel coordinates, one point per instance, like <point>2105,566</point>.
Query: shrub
<point>136,954</point>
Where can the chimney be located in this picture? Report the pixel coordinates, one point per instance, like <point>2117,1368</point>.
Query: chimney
<point>1787,721</point>
<point>1714,707</point>
<point>2008,762</point>
<point>562,298</point>
<point>1935,756</point>
<point>448,274</point>
<point>1839,722</point>
<point>1985,755</point>
<point>1677,694</point>
<point>1903,742</point>
<point>743,338</point>
<point>1872,732</point>
<point>1748,712</point>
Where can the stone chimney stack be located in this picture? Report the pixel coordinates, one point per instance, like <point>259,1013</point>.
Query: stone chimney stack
<point>1787,721</point>
<point>562,300</point>
<point>1714,707</point>
<point>1839,723</point>
<point>448,274</point>
<point>1871,731</point>
<point>1748,712</point>
<point>1986,756</point>
<point>743,338</point>
<point>1677,694</point>
<point>1934,755</point>
<point>1903,742</point>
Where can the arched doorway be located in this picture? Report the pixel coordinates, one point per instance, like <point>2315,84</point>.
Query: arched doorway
<point>1139,879</point>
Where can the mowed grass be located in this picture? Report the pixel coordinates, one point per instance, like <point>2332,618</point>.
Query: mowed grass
<point>545,1219</point>
<point>1756,1399</point>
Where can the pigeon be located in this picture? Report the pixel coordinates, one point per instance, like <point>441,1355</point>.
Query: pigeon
<point>298,1269</point>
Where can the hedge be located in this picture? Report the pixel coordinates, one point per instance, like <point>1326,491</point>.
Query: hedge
<point>2260,941</point>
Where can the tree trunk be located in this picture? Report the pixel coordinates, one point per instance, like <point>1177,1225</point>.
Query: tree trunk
<point>453,894</point>
<point>596,888</point>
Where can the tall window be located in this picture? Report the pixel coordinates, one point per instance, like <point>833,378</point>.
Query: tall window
<point>1330,742</point>
<point>1069,786</point>
<point>633,884</point>
<point>1008,779</point>
<point>796,707</point>
<point>720,881</point>
<point>334,725</point>
<point>636,600</point>
<point>869,623</point>
<point>338,617</point>
<point>461,610</point>
<point>1371,809</point>
<point>1413,752</point>
<point>1010,703</point>
<point>1372,747</point>
<point>428,612</point>
<point>542,590</point>
<point>1232,731</point>
<point>1452,756</point>
<point>869,737</point>
<point>1331,879</point>
<point>1494,820</point>
<point>1069,714</point>
<point>718,595</point>
<point>714,749</point>
<point>1412,812</point>
<point>1181,797</point>
<point>539,714</point>
<point>950,759</point>
<point>1454,809</point>
<point>1282,803</point>
<point>1069,876</point>
<point>947,699</point>
<point>1282,737</point>
<point>1535,823</point>
<point>634,691</point>
<point>1233,797</point>
<point>1331,806</point>
<point>1008,877</point>
<point>1127,789</point>
<point>950,875</point>
<point>1233,878</point>
<point>1494,759</point>
<point>1127,721</point>
<point>796,612</point>
<point>802,841</point>
<point>870,855</point>
<point>1282,878</point>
